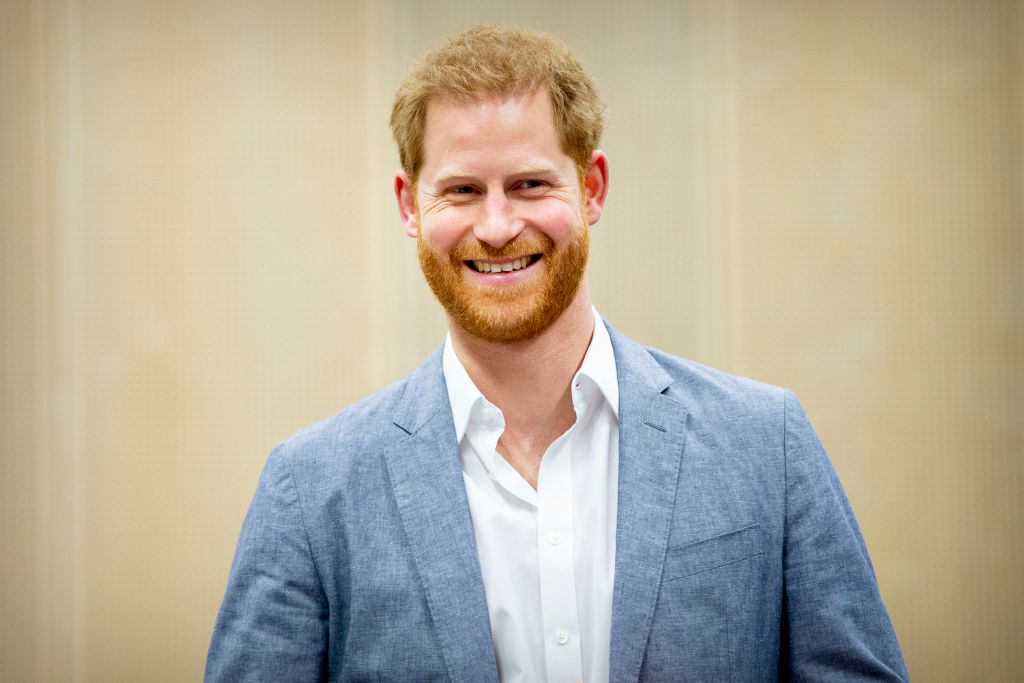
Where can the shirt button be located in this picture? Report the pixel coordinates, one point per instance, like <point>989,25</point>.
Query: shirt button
<point>554,538</point>
<point>563,637</point>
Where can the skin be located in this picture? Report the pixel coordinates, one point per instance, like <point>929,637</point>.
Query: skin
<point>495,177</point>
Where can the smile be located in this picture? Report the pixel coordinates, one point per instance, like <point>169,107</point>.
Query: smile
<point>505,266</point>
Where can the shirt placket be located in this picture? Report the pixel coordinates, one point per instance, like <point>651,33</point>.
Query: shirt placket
<point>555,539</point>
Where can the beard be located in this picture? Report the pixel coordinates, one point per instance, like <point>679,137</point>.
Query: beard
<point>517,312</point>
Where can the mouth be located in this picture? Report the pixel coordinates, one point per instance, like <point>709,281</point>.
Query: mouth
<point>503,265</point>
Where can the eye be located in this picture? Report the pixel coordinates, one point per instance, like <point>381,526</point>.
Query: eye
<point>531,184</point>
<point>460,194</point>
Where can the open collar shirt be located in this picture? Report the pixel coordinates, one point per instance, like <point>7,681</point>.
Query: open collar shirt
<point>547,556</point>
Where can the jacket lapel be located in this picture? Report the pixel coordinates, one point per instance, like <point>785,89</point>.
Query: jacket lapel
<point>426,476</point>
<point>651,435</point>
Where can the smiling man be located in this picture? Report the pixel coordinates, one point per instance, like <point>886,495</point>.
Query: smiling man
<point>544,499</point>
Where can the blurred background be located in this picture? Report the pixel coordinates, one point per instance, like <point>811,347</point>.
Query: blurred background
<point>201,254</point>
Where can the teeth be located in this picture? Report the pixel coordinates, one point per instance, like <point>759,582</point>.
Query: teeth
<point>485,267</point>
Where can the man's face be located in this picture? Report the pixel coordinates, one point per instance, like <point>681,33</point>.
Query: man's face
<point>499,216</point>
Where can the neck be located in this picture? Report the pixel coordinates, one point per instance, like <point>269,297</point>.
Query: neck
<point>529,380</point>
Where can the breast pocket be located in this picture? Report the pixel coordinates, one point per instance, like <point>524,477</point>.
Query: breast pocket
<point>711,553</point>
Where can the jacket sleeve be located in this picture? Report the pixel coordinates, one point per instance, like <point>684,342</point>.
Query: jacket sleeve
<point>272,624</point>
<point>835,626</point>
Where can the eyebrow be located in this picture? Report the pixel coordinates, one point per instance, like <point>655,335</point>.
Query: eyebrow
<point>455,175</point>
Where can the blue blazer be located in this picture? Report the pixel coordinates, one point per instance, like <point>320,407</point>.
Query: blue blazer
<point>737,555</point>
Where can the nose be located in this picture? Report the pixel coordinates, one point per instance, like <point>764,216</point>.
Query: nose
<point>497,225</point>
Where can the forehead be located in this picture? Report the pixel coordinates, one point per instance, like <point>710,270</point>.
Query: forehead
<point>502,128</point>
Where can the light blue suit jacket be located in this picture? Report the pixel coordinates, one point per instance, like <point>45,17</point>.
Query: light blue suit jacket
<point>737,555</point>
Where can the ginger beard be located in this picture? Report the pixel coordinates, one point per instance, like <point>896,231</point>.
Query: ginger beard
<point>513,313</point>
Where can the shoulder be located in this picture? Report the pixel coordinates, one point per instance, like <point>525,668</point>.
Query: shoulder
<point>357,435</point>
<point>723,408</point>
<point>734,421</point>
<point>701,384</point>
<point>707,394</point>
<point>361,421</point>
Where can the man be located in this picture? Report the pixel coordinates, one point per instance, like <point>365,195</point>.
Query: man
<point>543,499</point>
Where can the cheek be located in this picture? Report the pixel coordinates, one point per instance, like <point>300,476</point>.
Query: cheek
<point>442,231</point>
<point>559,220</point>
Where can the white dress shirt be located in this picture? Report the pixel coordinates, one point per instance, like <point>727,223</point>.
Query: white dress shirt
<point>547,555</point>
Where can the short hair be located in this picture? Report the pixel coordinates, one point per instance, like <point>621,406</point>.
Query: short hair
<point>497,61</point>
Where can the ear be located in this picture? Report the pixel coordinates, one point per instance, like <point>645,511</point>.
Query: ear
<point>595,186</point>
<point>405,193</point>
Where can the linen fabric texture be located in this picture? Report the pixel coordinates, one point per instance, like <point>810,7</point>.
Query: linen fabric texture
<point>737,554</point>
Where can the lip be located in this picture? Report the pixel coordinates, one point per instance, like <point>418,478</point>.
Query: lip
<point>505,277</point>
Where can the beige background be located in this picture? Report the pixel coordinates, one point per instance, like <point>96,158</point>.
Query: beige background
<point>200,254</point>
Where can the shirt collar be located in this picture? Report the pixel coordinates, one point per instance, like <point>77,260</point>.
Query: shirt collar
<point>462,392</point>
<point>598,366</point>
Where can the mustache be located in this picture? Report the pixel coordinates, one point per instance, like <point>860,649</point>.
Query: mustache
<point>520,246</point>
